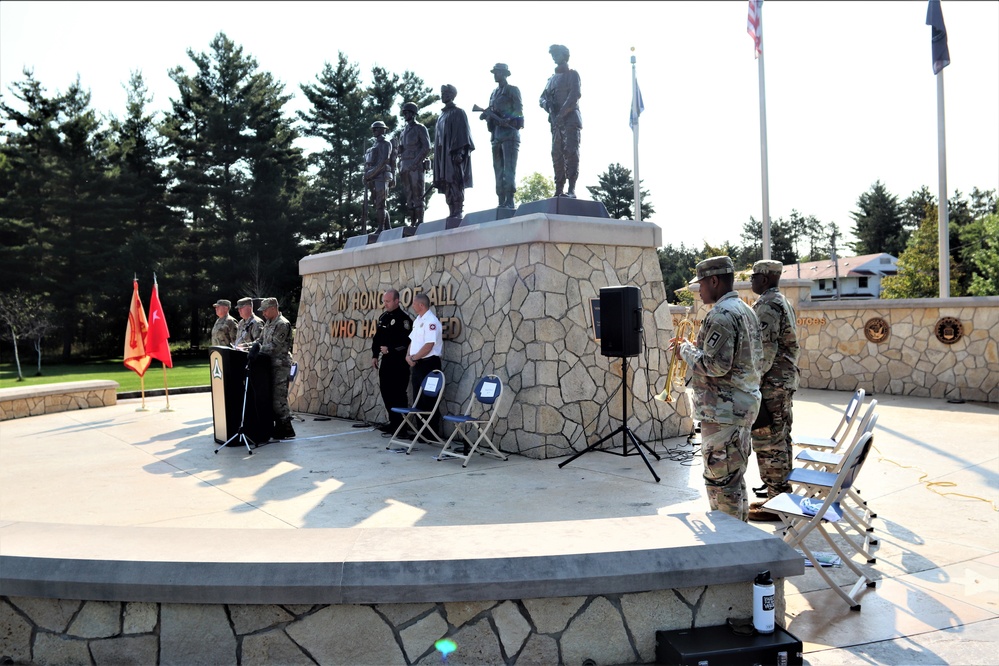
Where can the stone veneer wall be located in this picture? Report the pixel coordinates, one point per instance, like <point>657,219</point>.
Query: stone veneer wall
<point>22,401</point>
<point>609,629</point>
<point>835,354</point>
<point>521,289</point>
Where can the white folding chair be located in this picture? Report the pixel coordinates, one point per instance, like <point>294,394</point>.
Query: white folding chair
<point>803,515</point>
<point>831,459</point>
<point>418,420</point>
<point>817,483</point>
<point>842,431</point>
<point>487,395</point>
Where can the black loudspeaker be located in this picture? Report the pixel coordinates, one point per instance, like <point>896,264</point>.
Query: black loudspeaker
<point>620,321</point>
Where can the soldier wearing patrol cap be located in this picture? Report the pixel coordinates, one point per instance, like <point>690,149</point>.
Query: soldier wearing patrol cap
<point>275,341</point>
<point>772,430</point>
<point>250,325</point>
<point>725,362</point>
<point>414,149</point>
<point>379,173</point>
<point>224,330</point>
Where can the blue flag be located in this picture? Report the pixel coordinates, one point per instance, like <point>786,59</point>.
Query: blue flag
<point>637,105</point>
<point>941,54</point>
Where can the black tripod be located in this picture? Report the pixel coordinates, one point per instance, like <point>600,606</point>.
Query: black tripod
<point>241,433</point>
<point>625,431</point>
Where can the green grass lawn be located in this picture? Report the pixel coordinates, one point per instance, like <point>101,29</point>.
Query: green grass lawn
<point>186,371</point>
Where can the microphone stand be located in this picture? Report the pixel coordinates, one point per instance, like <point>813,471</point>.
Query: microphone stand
<point>241,433</point>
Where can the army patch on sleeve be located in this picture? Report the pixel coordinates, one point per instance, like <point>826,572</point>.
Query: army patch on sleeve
<point>715,338</point>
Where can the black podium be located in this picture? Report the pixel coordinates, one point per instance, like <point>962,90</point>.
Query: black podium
<point>228,368</point>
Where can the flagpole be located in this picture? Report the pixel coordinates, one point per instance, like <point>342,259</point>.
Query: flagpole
<point>142,391</point>
<point>764,168</point>
<point>166,389</point>
<point>634,137</point>
<point>943,214</point>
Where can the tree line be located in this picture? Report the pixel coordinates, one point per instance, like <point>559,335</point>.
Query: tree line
<point>906,229</point>
<point>213,196</point>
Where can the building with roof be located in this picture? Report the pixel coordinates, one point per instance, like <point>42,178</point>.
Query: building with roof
<point>847,277</point>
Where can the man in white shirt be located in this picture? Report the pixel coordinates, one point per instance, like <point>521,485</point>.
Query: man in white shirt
<point>425,345</point>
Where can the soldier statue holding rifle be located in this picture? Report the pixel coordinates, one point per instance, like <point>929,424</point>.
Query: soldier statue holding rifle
<point>504,118</point>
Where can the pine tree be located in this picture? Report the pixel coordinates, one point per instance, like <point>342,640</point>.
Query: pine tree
<point>332,202</point>
<point>616,191</point>
<point>878,224</point>
<point>236,174</point>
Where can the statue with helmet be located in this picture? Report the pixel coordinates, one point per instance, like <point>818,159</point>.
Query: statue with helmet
<point>412,145</point>
<point>379,174</point>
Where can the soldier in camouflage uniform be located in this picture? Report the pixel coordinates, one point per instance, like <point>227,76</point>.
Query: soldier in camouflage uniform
<point>275,341</point>
<point>772,431</point>
<point>250,326</point>
<point>224,330</point>
<point>726,380</point>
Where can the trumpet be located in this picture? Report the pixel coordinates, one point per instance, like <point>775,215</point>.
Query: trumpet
<point>677,369</point>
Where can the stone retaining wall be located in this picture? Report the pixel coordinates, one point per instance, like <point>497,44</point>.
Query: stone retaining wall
<point>21,401</point>
<point>608,629</point>
<point>909,360</point>
<point>515,299</point>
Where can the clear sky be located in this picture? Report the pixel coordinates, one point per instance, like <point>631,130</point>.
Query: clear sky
<point>850,93</point>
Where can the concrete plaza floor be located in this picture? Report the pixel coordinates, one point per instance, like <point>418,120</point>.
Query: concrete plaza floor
<point>933,479</point>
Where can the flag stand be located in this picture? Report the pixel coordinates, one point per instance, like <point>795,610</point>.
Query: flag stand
<point>142,390</point>
<point>166,390</point>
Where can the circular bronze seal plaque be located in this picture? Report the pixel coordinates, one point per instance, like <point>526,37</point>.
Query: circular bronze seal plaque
<point>949,330</point>
<point>877,330</point>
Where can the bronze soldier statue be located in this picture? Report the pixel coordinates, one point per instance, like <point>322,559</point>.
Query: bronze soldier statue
<point>414,148</point>
<point>561,100</point>
<point>504,118</point>
<point>379,173</point>
<point>452,153</point>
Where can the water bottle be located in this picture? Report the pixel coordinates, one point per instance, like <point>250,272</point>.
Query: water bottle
<point>763,603</point>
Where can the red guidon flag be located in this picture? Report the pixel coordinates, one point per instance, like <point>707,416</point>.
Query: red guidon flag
<point>136,358</point>
<point>157,345</point>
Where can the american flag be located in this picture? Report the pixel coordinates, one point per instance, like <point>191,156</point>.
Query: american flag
<point>755,26</point>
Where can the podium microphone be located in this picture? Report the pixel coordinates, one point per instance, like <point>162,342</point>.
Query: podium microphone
<point>254,350</point>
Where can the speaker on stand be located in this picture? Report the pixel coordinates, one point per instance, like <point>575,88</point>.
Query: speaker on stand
<point>621,336</point>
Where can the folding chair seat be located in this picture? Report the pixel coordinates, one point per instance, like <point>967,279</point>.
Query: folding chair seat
<point>487,395</point>
<point>831,459</point>
<point>840,434</point>
<point>803,515</point>
<point>418,420</point>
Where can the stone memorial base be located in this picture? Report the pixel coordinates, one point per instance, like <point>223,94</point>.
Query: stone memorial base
<point>515,298</point>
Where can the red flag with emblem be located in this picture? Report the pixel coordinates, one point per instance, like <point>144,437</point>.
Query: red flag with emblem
<point>136,358</point>
<point>158,336</point>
